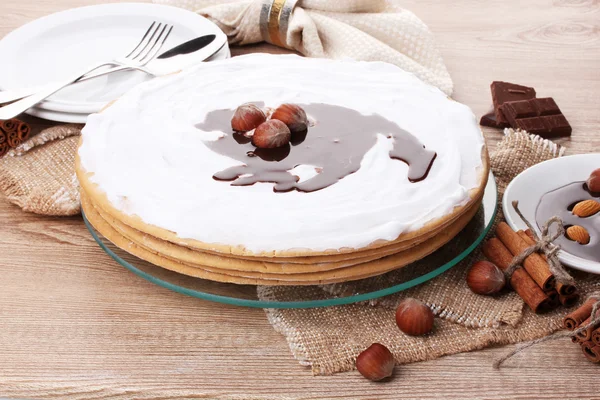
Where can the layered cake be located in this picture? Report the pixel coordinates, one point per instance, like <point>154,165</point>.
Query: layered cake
<point>336,170</point>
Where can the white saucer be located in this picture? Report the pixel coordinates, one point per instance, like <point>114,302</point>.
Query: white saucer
<point>530,185</point>
<point>58,45</point>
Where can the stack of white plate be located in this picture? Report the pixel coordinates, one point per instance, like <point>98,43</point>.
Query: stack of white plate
<point>59,45</point>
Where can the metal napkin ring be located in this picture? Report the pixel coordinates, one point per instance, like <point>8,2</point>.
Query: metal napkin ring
<point>274,20</point>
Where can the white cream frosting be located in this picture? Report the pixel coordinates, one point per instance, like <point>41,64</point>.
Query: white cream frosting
<point>147,155</point>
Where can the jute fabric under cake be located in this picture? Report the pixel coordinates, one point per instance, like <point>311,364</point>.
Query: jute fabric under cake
<point>39,175</point>
<point>329,339</point>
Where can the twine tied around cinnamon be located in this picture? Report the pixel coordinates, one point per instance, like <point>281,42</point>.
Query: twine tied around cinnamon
<point>545,245</point>
<point>594,320</point>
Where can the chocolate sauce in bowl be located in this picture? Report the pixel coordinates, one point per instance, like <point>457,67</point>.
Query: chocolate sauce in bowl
<point>335,146</point>
<point>560,202</point>
<point>587,189</point>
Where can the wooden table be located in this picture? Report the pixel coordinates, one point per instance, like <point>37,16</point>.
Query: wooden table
<point>74,324</point>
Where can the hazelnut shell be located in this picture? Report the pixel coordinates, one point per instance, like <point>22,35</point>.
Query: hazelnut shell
<point>376,362</point>
<point>414,318</point>
<point>247,117</point>
<point>485,278</point>
<point>593,182</point>
<point>293,116</point>
<point>271,134</point>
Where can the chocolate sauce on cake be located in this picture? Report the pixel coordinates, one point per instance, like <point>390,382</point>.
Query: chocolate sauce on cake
<point>560,202</point>
<point>335,145</point>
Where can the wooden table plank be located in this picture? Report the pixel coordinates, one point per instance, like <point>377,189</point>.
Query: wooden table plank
<point>73,324</point>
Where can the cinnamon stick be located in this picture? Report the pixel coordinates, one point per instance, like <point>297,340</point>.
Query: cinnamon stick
<point>575,339</point>
<point>591,351</point>
<point>574,319</point>
<point>527,236</point>
<point>587,334</point>
<point>535,265</point>
<point>566,289</point>
<point>520,280</point>
<point>569,300</point>
<point>9,125</point>
<point>553,296</point>
<point>596,337</point>
<point>19,135</point>
<point>3,143</point>
<point>563,289</point>
<point>13,140</point>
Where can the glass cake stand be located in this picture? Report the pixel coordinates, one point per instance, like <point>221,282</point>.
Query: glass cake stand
<point>324,295</point>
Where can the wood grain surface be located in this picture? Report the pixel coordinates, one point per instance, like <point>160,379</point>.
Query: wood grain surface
<point>74,324</point>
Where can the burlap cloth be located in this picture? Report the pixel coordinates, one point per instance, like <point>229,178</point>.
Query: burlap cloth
<point>39,177</point>
<point>329,339</point>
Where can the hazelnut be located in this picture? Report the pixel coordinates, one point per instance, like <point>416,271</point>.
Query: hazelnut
<point>247,117</point>
<point>271,134</point>
<point>593,182</point>
<point>414,318</point>
<point>485,278</point>
<point>293,116</point>
<point>376,362</point>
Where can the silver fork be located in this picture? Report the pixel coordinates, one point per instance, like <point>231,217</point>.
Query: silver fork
<point>148,48</point>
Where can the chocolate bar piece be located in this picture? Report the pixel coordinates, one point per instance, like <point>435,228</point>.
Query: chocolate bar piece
<point>503,92</point>
<point>490,120</point>
<point>538,116</point>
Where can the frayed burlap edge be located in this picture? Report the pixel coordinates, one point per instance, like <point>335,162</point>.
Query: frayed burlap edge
<point>329,339</point>
<point>39,175</point>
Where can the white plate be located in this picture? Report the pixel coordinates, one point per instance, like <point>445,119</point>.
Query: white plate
<point>81,118</point>
<point>530,185</point>
<point>61,44</point>
<point>75,118</point>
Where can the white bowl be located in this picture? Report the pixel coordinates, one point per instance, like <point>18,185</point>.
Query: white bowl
<point>530,185</point>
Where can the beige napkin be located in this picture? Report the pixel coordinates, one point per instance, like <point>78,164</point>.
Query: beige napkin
<point>369,30</point>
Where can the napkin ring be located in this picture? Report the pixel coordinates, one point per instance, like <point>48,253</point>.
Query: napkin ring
<point>274,20</point>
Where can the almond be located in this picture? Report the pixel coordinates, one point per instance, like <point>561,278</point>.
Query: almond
<point>578,234</point>
<point>586,208</point>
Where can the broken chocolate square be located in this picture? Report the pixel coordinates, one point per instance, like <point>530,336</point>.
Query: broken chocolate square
<point>503,92</point>
<point>538,116</point>
<point>489,119</point>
